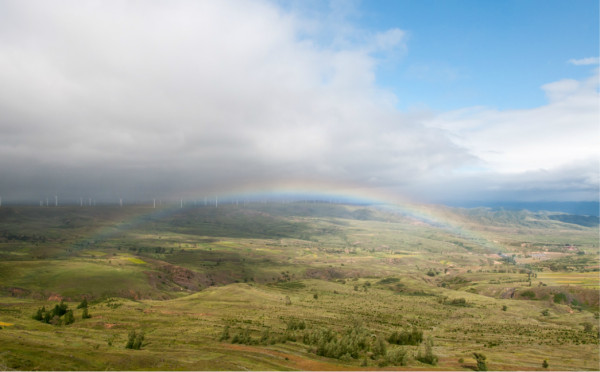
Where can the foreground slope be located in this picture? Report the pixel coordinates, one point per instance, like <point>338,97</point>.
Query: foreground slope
<point>297,286</point>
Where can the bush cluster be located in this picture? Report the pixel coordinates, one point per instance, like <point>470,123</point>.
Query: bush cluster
<point>413,337</point>
<point>355,342</point>
<point>60,314</point>
<point>135,340</point>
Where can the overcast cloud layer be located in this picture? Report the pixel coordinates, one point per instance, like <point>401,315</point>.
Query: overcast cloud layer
<point>145,99</point>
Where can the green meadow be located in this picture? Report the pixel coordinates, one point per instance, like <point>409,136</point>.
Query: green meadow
<point>298,286</point>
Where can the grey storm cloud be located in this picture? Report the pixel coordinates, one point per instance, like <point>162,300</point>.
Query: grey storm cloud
<point>159,96</point>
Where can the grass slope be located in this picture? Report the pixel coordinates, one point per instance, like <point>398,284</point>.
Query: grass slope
<point>184,276</point>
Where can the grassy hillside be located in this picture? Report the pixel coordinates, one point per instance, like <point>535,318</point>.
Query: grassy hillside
<point>296,286</point>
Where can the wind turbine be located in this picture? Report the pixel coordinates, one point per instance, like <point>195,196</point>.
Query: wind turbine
<point>154,203</point>
<point>80,201</point>
<point>56,200</point>
<point>216,202</point>
<point>121,202</point>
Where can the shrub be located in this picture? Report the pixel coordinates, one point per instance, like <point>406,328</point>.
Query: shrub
<point>545,312</point>
<point>243,337</point>
<point>545,364</point>
<point>427,356</point>
<point>397,357</point>
<point>559,298</point>
<point>458,302</point>
<point>529,294</point>
<point>504,307</point>
<point>60,309</point>
<point>83,304</point>
<point>295,324</point>
<point>135,340</point>
<point>378,346</point>
<point>85,314</point>
<point>224,334</point>
<point>39,315</point>
<point>69,318</point>
<point>414,337</point>
<point>481,361</point>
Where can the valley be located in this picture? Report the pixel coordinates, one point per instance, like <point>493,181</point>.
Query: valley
<point>297,286</point>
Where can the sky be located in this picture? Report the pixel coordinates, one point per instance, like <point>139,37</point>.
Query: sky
<point>436,101</point>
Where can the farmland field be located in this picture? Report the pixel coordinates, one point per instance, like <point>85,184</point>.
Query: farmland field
<point>299,286</point>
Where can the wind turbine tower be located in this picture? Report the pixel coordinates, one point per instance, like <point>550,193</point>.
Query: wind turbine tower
<point>154,203</point>
<point>121,202</point>
<point>216,202</point>
<point>56,200</point>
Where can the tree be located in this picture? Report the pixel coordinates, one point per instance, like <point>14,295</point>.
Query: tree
<point>379,347</point>
<point>224,334</point>
<point>135,340</point>
<point>481,363</point>
<point>83,304</point>
<point>139,340</point>
<point>85,314</point>
<point>428,356</point>
<point>40,314</point>
<point>69,318</point>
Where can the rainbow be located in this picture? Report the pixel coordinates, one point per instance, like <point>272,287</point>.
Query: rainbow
<point>433,215</point>
<point>346,193</point>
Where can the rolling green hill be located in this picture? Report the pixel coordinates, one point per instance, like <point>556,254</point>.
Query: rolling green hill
<point>308,286</point>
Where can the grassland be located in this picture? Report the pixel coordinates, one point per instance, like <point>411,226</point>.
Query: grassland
<point>518,287</point>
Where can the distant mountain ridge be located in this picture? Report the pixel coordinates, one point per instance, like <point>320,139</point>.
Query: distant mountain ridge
<point>585,208</point>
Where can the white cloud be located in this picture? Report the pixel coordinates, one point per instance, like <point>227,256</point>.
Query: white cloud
<point>585,61</point>
<point>564,131</point>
